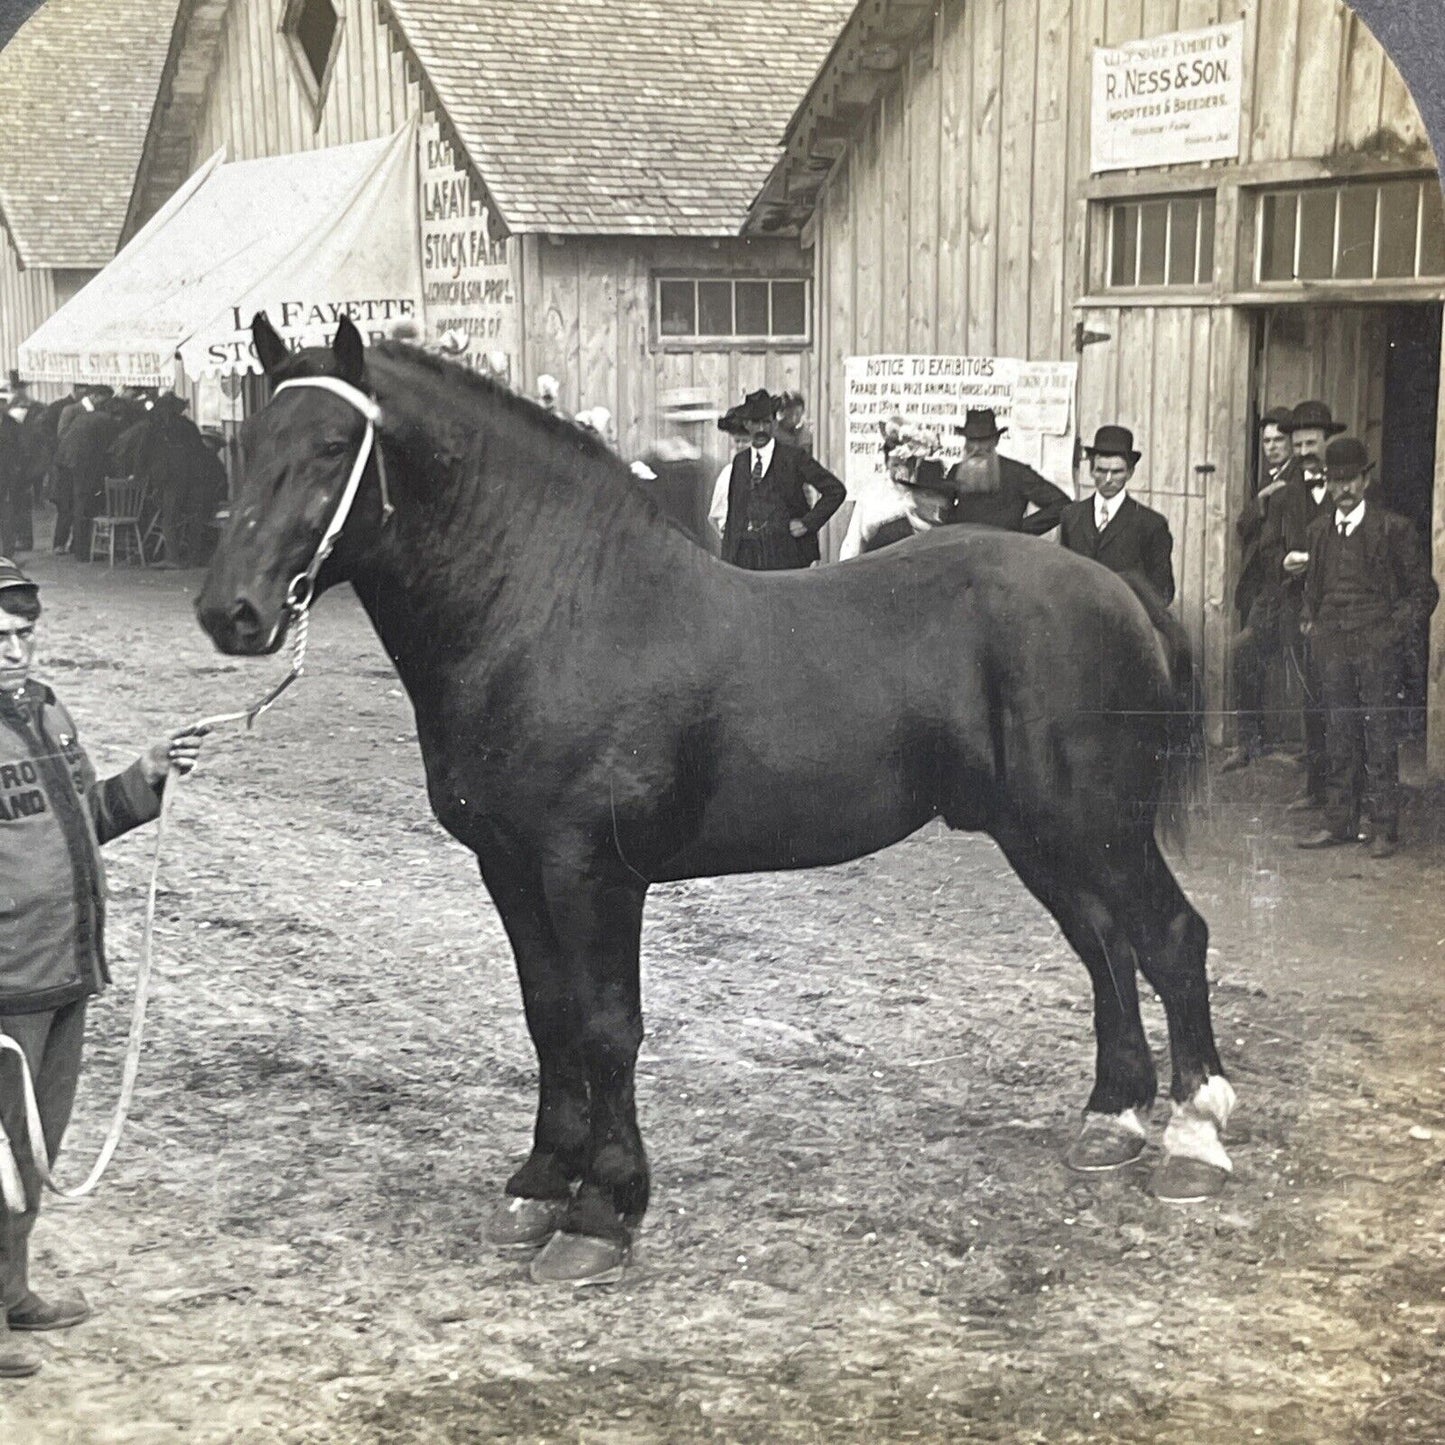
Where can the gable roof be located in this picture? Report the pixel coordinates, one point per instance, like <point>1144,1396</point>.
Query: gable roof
<point>620,116</point>
<point>77,84</point>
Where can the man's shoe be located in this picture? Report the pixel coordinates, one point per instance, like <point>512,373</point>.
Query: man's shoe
<point>1383,846</point>
<point>15,1363</point>
<point>34,1313</point>
<point>1323,839</point>
<point>1237,758</point>
<point>1304,804</point>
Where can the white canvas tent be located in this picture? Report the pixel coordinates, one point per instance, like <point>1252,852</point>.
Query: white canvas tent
<point>306,238</point>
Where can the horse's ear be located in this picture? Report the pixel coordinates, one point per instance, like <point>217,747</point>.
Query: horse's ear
<point>347,349</point>
<point>271,351</point>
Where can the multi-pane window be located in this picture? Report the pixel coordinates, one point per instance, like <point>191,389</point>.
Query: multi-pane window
<point>696,308</point>
<point>1358,231</point>
<point>1164,242</point>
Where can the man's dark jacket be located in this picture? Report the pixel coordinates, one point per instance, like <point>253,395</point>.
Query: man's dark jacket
<point>1261,564</point>
<point>1136,541</point>
<point>790,472</point>
<point>1018,487</point>
<point>1393,554</point>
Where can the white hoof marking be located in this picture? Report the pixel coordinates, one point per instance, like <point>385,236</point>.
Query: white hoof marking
<point>1194,1127</point>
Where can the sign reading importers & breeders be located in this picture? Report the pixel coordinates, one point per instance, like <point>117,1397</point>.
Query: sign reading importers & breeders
<point>1171,100</point>
<point>468,292</point>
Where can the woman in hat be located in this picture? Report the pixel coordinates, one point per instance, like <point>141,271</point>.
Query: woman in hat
<point>1111,527</point>
<point>54,815</point>
<point>768,522</point>
<point>921,498</point>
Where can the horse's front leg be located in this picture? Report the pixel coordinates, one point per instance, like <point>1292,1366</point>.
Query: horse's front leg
<point>597,916</point>
<point>540,1191</point>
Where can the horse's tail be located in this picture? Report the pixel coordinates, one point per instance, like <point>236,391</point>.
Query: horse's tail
<point>1183,741</point>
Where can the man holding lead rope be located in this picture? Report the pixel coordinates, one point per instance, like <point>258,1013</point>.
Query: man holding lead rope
<point>54,815</point>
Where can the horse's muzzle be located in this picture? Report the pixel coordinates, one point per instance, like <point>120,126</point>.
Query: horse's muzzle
<point>236,627</point>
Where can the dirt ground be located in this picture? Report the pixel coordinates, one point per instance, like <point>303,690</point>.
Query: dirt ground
<point>857,1086</point>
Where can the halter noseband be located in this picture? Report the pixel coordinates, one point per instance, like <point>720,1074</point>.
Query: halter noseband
<point>299,594</point>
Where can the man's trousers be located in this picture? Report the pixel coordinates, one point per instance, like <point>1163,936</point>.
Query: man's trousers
<point>1361,674</point>
<point>53,1043</point>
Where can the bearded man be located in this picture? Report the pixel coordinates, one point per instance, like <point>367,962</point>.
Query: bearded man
<point>997,491</point>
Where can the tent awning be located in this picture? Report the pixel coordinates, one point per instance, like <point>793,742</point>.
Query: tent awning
<point>307,238</point>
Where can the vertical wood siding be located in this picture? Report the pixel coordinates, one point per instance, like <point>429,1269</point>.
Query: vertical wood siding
<point>27,297</point>
<point>957,222</point>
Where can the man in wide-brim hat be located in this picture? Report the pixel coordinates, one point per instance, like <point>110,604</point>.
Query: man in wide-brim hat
<point>763,512</point>
<point>1367,589</point>
<point>1111,527</point>
<point>997,491</point>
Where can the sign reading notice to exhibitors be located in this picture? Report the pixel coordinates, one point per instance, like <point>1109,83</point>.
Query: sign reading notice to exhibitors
<point>468,292</point>
<point>1171,100</point>
<point>1033,399</point>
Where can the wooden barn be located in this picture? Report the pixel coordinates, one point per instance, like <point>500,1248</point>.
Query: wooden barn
<point>1212,206</point>
<point>582,193</point>
<point>77,86</point>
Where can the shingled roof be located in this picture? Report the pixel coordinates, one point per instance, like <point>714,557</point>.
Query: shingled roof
<point>620,116</point>
<point>77,84</point>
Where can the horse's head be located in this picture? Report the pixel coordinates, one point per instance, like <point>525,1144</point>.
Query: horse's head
<point>296,457</point>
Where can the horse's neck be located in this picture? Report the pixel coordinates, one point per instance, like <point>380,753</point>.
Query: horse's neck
<point>494,539</point>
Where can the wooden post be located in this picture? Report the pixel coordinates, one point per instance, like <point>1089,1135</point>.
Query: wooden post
<point>1435,673</point>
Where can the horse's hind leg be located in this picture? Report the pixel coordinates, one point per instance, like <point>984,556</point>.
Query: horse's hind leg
<point>1172,943</point>
<point>541,1190</point>
<point>1124,1079</point>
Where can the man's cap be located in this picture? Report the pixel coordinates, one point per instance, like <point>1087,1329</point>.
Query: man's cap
<point>1316,415</point>
<point>1114,441</point>
<point>929,475</point>
<point>980,425</point>
<point>1346,457</point>
<point>1280,416</point>
<point>12,576</point>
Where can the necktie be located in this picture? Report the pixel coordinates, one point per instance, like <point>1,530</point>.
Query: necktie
<point>757,468</point>
<point>1344,530</point>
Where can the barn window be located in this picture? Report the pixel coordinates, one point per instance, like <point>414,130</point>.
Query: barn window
<point>1358,231</point>
<point>712,308</point>
<point>313,30</point>
<point>1164,242</point>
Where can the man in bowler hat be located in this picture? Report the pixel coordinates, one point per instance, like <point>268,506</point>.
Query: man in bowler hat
<point>768,524</point>
<point>996,491</point>
<point>1367,587</point>
<point>1111,527</point>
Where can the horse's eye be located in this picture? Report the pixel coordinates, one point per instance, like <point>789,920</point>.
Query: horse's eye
<point>336,449</point>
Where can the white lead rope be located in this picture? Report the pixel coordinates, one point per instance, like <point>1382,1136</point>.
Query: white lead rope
<point>298,604</point>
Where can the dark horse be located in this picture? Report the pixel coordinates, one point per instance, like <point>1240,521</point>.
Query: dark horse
<point>602,705</point>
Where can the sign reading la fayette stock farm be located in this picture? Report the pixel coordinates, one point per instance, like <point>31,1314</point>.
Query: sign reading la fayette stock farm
<point>467,283</point>
<point>1171,100</point>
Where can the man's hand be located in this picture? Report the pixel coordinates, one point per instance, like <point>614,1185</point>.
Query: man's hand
<point>1265,493</point>
<point>179,751</point>
<point>797,528</point>
<point>1296,562</point>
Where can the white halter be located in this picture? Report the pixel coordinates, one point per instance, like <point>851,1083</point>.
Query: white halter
<point>298,596</point>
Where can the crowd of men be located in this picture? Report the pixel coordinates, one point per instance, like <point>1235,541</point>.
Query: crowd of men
<point>1334,590</point>
<point>65,452</point>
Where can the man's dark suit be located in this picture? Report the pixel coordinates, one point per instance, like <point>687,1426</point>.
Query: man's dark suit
<point>791,470</point>
<point>1137,541</point>
<point>1018,486</point>
<point>1360,647</point>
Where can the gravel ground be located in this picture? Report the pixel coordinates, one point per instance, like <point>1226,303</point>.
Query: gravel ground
<point>856,1088</point>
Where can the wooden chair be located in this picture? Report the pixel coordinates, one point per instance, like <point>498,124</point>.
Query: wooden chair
<point>124,498</point>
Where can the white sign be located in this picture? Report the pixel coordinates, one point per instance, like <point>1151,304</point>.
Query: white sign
<point>469,295</point>
<point>1171,100</point>
<point>1034,399</point>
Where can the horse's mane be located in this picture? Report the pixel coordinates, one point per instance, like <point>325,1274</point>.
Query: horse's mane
<point>576,438</point>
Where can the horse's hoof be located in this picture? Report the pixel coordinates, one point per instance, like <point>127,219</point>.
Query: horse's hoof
<point>579,1259</point>
<point>1188,1181</point>
<point>525,1224</point>
<point>1103,1143</point>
